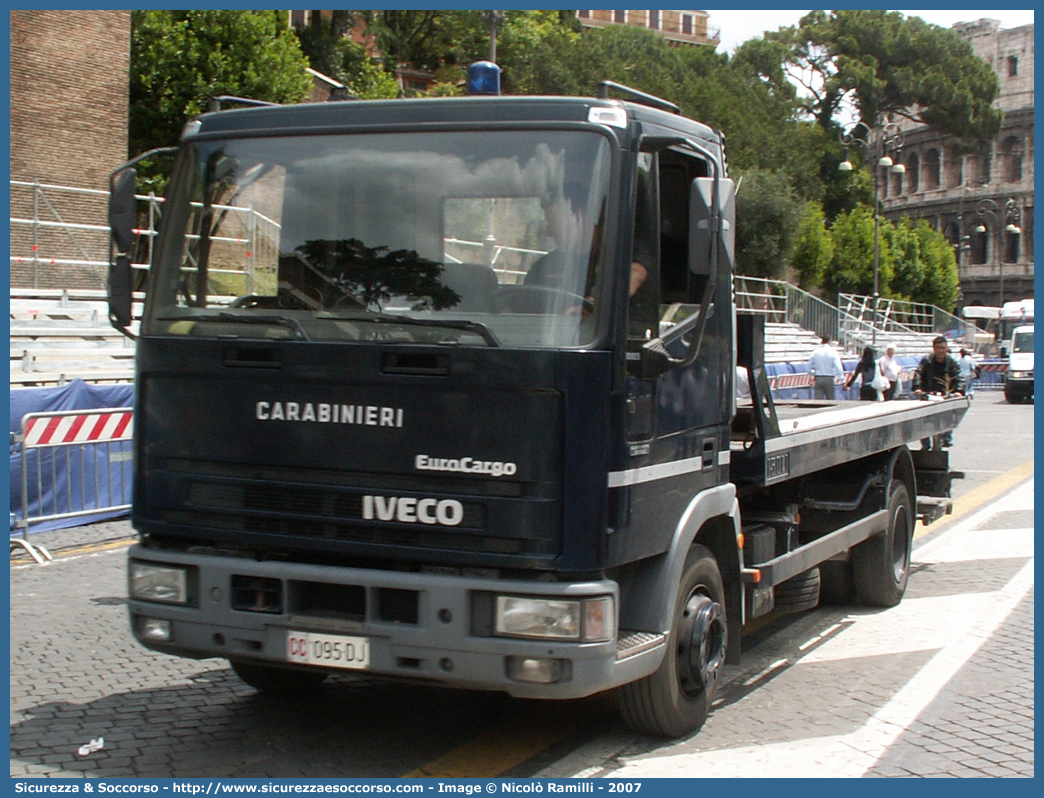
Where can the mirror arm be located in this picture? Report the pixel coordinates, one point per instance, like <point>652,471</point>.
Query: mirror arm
<point>120,269</point>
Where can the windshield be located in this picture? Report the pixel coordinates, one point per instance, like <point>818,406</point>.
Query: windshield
<point>1023,342</point>
<point>483,239</point>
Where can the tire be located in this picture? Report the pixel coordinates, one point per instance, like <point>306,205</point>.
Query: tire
<point>837,583</point>
<point>676,699</point>
<point>798,594</point>
<point>274,680</point>
<point>881,564</point>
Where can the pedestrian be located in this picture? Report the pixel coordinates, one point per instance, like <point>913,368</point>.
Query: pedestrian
<point>938,373</point>
<point>865,371</point>
<point>826,369</point>
<point>892,371</point>
<point>969,372</point>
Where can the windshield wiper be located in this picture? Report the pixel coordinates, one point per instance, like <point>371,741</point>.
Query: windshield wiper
<point>283,321</point>
<point>452,324</point>
<point>269,319</point>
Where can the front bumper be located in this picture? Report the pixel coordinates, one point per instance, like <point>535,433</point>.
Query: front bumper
<point>437,638</point>
<point>1019,386</point>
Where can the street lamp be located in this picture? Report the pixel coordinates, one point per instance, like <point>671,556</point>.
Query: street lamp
<point>989,209</point>
<point>888,139</point>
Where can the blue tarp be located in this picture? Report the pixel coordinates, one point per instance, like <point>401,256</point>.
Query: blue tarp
<point>63,490</point>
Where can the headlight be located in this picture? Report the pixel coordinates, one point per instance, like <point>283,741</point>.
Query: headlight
<point>582,620</point>
<point>164,583</point>
<point>1020,375</point>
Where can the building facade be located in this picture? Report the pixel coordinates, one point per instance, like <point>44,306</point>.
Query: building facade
<point>678,27</point>
<point>69,106</point>
<point>982,200</point>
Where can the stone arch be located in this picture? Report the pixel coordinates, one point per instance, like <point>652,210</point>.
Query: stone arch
<point>1011,152</point>
<point>913,173</point>
<point>932,169</point>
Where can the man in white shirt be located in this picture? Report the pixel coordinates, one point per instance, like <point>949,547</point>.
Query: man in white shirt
<point>825,367</point>
<point>969,371</point>
<point>891,369</point>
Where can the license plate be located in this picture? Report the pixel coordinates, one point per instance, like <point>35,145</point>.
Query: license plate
<point>333,651</point>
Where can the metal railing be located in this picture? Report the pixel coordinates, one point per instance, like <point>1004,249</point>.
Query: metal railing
<point>897,315</point>
<point>73,463</point>
<point>781,302</point>
<point>42,237</point>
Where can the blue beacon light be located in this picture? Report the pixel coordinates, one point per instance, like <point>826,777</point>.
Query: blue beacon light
<point>483,78</point>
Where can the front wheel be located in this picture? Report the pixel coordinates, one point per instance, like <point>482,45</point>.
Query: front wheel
<point>881,564</point>
<point>676,699</point>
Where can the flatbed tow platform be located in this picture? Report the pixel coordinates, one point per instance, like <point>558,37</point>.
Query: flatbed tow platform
<point>791,439</point>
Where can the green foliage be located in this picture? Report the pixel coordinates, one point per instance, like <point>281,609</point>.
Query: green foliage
<point>884,63</point>
<point>767,216</point>
<point>180,59</point>
<point>852,267</point>
<point>329,51</point>
<point>941,284</point>
<point>428,39</point>
<point>905,246</point>
<point>813,247</point>
<point>917,263</point>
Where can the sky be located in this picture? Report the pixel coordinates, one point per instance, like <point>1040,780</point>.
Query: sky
<point>738,26</point>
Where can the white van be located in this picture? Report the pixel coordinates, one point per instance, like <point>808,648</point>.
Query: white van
<point>1018,383</point>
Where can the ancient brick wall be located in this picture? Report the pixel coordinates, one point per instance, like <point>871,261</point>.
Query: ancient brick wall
<point>69,103</point>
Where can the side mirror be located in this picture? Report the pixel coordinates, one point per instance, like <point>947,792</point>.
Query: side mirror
<point>701,220</point>
<point>122,209</point>
<point>120,292</point>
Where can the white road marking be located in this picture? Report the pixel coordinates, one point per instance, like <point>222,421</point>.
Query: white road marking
<point>951,626</point>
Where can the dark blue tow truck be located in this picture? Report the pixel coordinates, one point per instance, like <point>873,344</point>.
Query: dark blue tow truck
<point>443,390</point>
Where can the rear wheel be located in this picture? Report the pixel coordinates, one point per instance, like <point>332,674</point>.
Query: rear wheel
<point>274,680</point>
<point>837,584</point>
<point>676,699</point>
<point>881,564</point>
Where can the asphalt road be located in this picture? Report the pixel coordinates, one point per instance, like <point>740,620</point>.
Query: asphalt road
<point>77,675</point>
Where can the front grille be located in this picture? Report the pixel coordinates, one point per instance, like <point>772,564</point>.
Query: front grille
<point>237,499</point>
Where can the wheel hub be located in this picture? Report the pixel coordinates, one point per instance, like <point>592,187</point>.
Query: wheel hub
<point>900,543</point>
<point>702,643</point>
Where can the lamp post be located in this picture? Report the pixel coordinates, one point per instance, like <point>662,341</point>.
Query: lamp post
<point>990,209</point>
<point>885,140</point>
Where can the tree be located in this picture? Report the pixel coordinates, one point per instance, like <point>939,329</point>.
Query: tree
<point>428,40</point>
<point>941,284</point>
<point>767,215</point>
<point>180,59</point>
<point>905,245</point>
<point>884,63</point>
<point>813,247</point>
<point>851,270</point>
<point>330,51</point>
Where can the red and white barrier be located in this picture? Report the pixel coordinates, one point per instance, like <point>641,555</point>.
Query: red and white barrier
<point>77,426</point>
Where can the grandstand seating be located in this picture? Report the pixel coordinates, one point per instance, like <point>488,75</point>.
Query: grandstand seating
<point>60,335</point>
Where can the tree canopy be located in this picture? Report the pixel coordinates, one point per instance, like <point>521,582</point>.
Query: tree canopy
<point>883,63</point>
<point>180,59</point>
<point>778,100</point>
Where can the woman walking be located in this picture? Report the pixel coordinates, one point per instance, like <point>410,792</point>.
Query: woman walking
<point>865,370</point>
